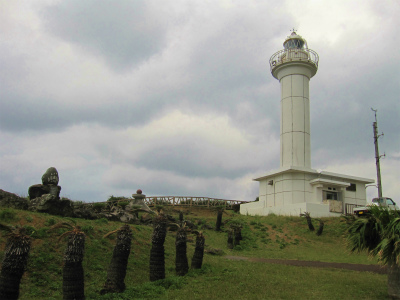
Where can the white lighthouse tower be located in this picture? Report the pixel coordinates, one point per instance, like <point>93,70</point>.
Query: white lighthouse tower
<point>295,187</point>
<point>294,66</point>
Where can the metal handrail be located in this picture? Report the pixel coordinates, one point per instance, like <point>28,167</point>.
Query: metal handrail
<point>179,201</point>
<point>192,201</point>
<point>283,56</point>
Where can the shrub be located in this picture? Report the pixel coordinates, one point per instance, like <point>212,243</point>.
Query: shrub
<point>123,204</point>
<point>99,206</point>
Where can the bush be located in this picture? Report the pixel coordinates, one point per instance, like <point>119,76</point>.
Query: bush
<point>123,204</point>
<point>99,206</point>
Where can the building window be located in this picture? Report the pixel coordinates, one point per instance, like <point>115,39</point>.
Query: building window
<point>328,195</point>
<point>351,187</point>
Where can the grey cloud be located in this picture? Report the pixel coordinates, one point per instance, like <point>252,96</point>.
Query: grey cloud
<point>125,33</point>
<point>188,160</point>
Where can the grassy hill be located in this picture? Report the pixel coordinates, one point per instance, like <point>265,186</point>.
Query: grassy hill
<point>220,278</point>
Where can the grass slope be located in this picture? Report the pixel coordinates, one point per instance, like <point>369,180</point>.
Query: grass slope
<point>220,278</point>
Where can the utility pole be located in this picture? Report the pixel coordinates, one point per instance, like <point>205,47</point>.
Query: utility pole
<point>377,156</point>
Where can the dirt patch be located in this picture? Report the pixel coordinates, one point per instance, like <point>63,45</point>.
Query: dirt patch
<point>315,264</point>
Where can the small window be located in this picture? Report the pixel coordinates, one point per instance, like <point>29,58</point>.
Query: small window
<point>327,195</point>
<point>351,187</point>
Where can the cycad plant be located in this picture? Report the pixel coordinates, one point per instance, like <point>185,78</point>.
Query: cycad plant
<point>219,219</point>
<point>320,228</point>
<point>237,234</point>
<point>73,277</point>
<point>230,238</point>
<point>181,261</point>
<point>379,234</point>
<point>157,259</point>
<point>197,260</point>
<point>309,221</point>
<point>14,262</point>
<point>115,282</point>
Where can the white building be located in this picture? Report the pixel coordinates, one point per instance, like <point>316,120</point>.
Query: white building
<point>296,187</point>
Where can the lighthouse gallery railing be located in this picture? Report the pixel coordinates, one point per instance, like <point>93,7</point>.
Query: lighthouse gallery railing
<point>283,56</point>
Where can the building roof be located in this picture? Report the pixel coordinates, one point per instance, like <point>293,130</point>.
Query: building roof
<point>323,175</point>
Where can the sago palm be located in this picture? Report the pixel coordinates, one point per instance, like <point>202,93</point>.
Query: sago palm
<point>181,261</point>
<point>197,260</point>
<point>73,277</point>
<point>115,282</point>
<point>14,262</point>
<point>379,235</point>
<point>157,252</point>
<point>309,221</point>
<point>219,219</point>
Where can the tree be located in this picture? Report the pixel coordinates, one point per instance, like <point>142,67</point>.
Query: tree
<point>73,276</point>
<point>197,260</point>
<point>379,234</point>
<point>157,252</point>
<point>181,261</point>
<point>115,282</point>
<point>14,263</point>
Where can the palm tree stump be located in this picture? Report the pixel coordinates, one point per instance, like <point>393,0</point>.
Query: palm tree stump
<point>230,238</point>
<point>14,263</point>
<point>73,278</point>
<point>309,221</point>
<point>219,220</point>
<point>115,282</point>
<point>321,227</point>
<point>181,261</point>
<point>157,258</point>
<point>237,233</point>
<point>197,260</point>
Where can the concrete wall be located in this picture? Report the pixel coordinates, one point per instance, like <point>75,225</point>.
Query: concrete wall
<point>290,193</point>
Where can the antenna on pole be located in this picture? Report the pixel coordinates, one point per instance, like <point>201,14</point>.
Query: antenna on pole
<point>377,156</point>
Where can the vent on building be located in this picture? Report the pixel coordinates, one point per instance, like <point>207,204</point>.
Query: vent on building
<point>271,182</point>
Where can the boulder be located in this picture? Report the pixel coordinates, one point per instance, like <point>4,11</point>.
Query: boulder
<point>50,176</point>
<point>38,190</point>
<point>48,203</point>
<point>85,212</point>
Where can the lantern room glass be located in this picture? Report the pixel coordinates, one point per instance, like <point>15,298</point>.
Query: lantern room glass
<point>294,44</point>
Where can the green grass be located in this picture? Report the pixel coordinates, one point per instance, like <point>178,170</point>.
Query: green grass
<point>220,278</point>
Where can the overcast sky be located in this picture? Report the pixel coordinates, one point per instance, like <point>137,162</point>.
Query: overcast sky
<point>176,97</point>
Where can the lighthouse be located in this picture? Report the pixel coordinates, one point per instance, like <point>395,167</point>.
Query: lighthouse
<point>294,66</point>
<point>295,187</point>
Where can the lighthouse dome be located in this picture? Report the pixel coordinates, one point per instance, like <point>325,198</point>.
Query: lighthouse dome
<point>294,41</point>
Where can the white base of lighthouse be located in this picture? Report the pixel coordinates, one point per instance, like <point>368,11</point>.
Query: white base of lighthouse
<point>292,191</point>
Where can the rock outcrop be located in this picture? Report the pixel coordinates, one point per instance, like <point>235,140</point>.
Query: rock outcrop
<point>45,198</point>
<point>49,185</point>
<point>13,201</point>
